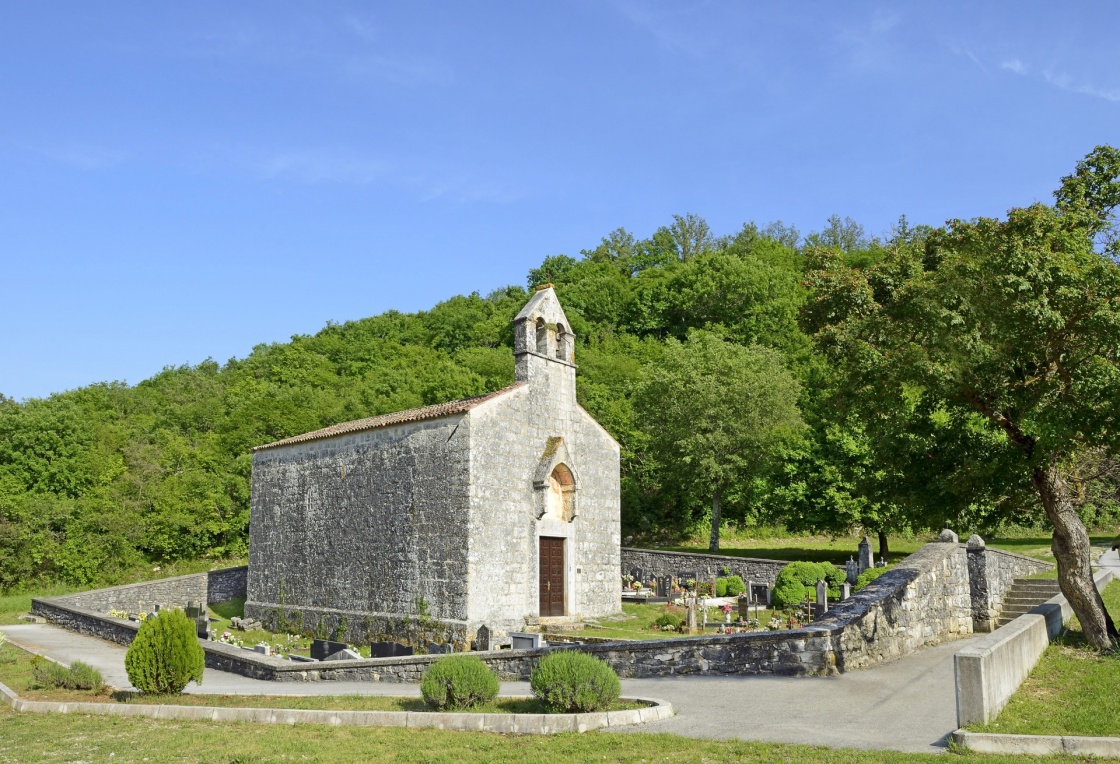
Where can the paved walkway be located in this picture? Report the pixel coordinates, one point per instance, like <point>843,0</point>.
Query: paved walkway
<point>906,705</point>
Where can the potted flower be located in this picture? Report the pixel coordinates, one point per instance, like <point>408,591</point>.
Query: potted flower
<point>726,612</point>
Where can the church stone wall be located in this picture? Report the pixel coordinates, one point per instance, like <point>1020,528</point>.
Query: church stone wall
<point>362,527</point>
<point>509,436</point>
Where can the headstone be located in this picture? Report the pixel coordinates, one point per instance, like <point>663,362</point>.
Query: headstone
<point>262,649</point>
<point>760,593</point>
<point>521,641</point>
<point>822,596</point>
<point>845,590</point>
<point>202,627</point>
<point>389,650</point>
<point>301,658</point>
<point>744,607</point>
<point>434,649</point>
<point>343,655</point>
<point>691,617</point>
<point>194,609</point>
<point>687,576</point>
<point>665,586</point>
<point>851,568</point>
<point>866,557</point>
<point>482,638</point>
<point>322,648</point>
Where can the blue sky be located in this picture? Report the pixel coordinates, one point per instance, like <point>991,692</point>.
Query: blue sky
<point>183,182</point>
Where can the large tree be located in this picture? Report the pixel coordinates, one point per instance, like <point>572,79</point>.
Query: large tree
<point>991,351</point>
<point>718,415</point>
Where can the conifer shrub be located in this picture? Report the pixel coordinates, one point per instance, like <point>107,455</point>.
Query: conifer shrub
<point>735,586</point>
<point>458,682</point>
<point>721,587</point>
<point>868,576</point>
<point>573,682</point>
<point>165,655</point>
<point>799,579</point>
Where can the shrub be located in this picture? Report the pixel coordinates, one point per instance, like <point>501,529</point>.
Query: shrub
<point>572,682</point>
<point>165,655</point>
<point>669,621</point>
<point>85,677</point>
<point>868,576</point>
<point>798,579</point>
<point>735,586</point>
<point>49,675</point>
<point>721,587</point>
<point>457,682</point>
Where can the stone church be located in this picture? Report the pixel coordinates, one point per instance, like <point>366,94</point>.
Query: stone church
<point>499,511</point>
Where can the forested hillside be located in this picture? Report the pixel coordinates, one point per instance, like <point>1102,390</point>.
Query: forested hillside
<point>96,481</point>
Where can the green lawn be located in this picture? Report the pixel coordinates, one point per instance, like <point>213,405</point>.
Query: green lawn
<point>1072,691</point>
<point>29,738</point>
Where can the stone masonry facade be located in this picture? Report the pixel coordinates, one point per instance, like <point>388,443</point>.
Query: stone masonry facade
<point>660,563</point>
<point>428,523</point>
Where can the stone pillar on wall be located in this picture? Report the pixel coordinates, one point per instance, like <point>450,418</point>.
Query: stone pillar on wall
<point>984,613</point>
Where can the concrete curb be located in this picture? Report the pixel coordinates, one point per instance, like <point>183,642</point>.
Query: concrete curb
<point>518,724</point>
<point>989,671</point>
<point>1038,745</point>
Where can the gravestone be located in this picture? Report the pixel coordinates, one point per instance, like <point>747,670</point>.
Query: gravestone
<point>866,557</point>
<point>522,641</point>
<point>822,596</point>
<point>845,590</point>
<point>343,655</point>
<point>202,627</point>
<point>691,617</point>
<point>195,609</point>
<point>322,648</point>
<point>760,593</point>
<point>434,649</point>
<point>851,568</point>
<point>665,586</point>
<point>262,649</point>
<point>482,638</point>
<point>390,650</point>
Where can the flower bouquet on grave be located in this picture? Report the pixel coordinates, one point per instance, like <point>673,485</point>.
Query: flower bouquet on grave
<point>726,608</point>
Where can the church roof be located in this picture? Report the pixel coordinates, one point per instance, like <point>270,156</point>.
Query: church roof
<point>399,417</point>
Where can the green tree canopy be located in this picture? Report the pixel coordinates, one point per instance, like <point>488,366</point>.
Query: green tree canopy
<point>718,415</point>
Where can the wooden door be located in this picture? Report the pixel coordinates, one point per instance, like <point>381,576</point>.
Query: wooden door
<point>552,576</point>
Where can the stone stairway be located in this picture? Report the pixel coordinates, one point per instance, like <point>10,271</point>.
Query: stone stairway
<point>1026,594</point>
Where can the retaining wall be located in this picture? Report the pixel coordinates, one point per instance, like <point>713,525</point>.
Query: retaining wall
<point>659,563</point>
<point>214,586</point>
<point>989,671</point>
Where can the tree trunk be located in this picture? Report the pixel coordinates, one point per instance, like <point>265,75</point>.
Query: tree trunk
<point>1071,550</point>
<point>713,543</point>
<point>883,549</point>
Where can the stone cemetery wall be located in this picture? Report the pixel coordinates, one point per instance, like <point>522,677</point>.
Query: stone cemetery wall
<point>661,563</point>
<point>215,586</point>
<point>368,523</point>
<point>923,600</point>
<point>991,573</point>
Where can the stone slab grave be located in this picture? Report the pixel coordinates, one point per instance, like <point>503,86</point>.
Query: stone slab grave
<point>522,641</point>
<point>389,650</point>
<point>321,649</point>
<point>245,624</point>
<point>434,649</point>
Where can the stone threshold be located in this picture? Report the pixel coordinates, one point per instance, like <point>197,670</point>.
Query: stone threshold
<point>519,724</point>
<point>1037,745</point>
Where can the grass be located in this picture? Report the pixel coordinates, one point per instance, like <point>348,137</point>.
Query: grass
<point>30,738</point>
<point>637,618</point>
<point>16,673</point>
<point>1072,691</point>
<point>773,544</point>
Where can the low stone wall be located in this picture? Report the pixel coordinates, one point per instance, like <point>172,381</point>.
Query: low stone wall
<point>923,600</point>
<point>989,671</point>
<point>991,572</point>
<point>214,586</point>
<point>661,563</point>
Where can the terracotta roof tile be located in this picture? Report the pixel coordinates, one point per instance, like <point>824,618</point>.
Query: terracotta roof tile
<point>400,417</point>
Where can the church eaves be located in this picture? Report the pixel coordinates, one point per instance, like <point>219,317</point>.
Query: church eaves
<point>400,417</point>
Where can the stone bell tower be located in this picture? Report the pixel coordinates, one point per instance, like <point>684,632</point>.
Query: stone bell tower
<point>544,346</point>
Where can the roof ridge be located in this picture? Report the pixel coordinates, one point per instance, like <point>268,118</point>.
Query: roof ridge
<point>418,414</point>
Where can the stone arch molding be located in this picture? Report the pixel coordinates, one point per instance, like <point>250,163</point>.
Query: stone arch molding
<point>556,461</point>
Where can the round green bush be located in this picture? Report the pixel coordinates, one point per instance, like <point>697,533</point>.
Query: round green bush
<point>799,579</point>
<point>721,587</point>
<point>735,586</point>
<point>669,621</point>
<point>458,682</point>
<point>868,576</point>
<point>573,682</point>
<point>165,655</point>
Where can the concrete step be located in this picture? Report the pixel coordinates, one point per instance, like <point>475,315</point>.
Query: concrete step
<point>1032,601</point>
<point>1035,583</point>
